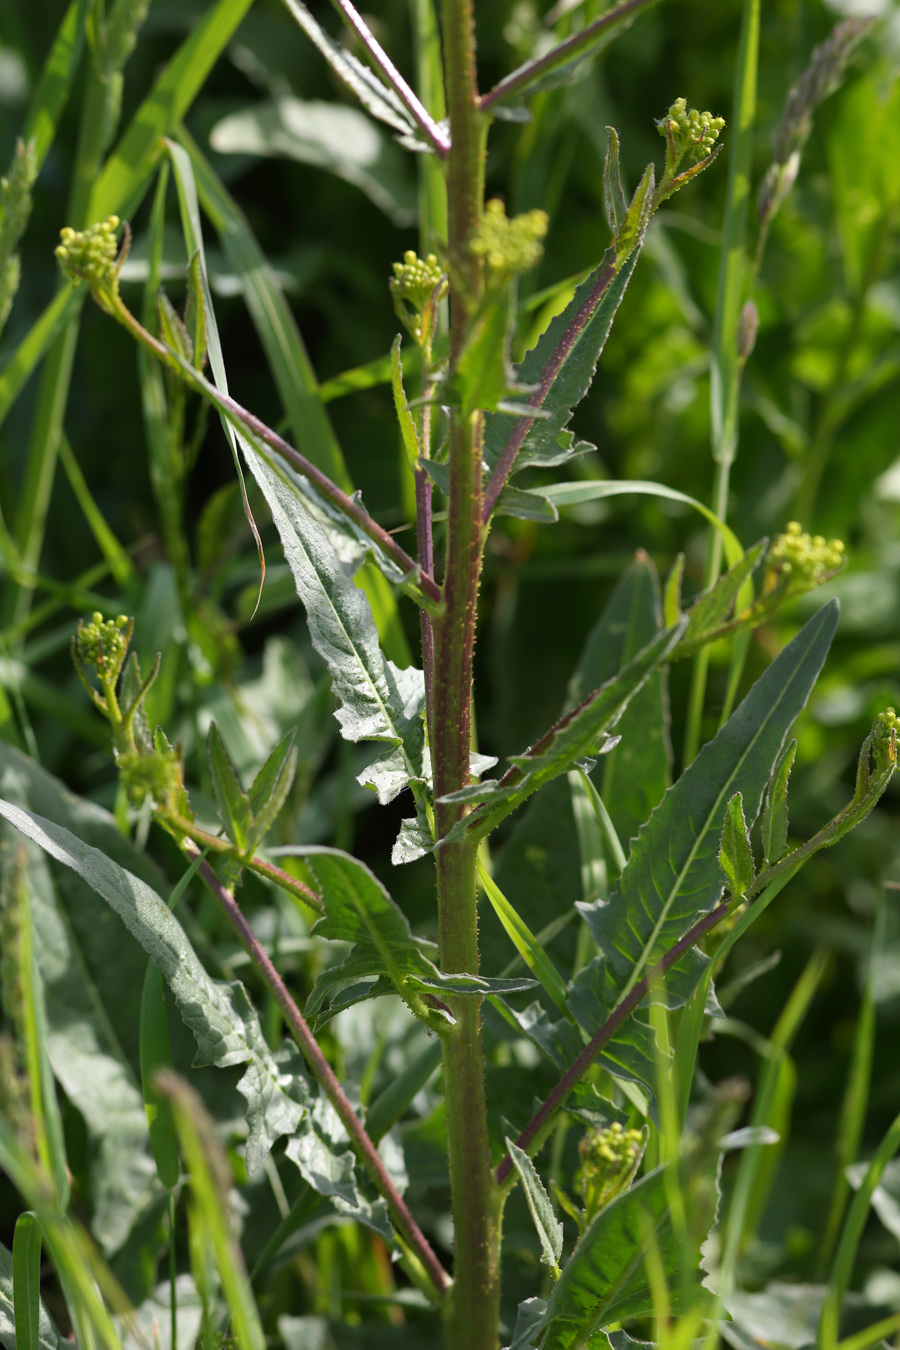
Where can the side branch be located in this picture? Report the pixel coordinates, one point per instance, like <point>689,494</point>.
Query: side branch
<point>325,1075</point>
<point>505,463</point>
<point>567,51</point>
<point>435,135</point>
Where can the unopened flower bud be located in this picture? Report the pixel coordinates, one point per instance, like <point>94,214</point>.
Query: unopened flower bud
<point>509,246</point>
<point>689,133</point>
<point>103,643</point>
<point>609,1160</point>
<point>799,562</point>
<point>413,285</point>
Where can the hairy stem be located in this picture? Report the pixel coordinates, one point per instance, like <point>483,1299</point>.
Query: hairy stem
<point>473,1313</point>
<point>325,1076</point>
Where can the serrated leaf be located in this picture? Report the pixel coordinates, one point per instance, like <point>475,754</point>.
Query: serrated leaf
<point>637,217</point>
<point>578,733</point>
<point>549,1229</point>
<point>736,855</point>
<point>673,875</point>
<point>613,193</point>
<point>172,328</point>
<point>48,1337</point>
<point>580,330</point>
<point>220,1015</point>
<point>775,812</point>
<point>231,799</point>
<point>271,786</point>
<point>606,1278</point>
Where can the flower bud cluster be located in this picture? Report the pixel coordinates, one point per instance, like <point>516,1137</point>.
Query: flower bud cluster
<point>90,255</point>
<point>103,644</point>
<point>800,561</point>
<point>609,1160</point>
<point>689,132</point>
<point>506,245</point>
<point>885,731</point>
<point>412,287</point>
<point>156,774</point>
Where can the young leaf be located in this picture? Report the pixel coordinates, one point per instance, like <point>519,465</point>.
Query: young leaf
<point>613,194</point>
<point>231,799</point>
<point>549,1230</point>
<point>26,1254</point>
<point>47,1338</point>
<point>713,608</point>
<point>775,812</point>
<point>404,416</point>
<point>577,734</point>
<point>673,874</point>
<point>529,1320</point>
<point>271,786</point>
<point>672,592</point>
<point>736,855</point>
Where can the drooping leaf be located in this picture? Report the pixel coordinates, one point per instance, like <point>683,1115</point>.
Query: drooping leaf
<point>579,733</point>
<point>48,1336</point>
<point>329,136</point>
<point>736,855</point>
<point>775,812</point>
<point>673,875</point>
<point>220,1015</point>
<point>549,1229</point>
<point>634,776</point>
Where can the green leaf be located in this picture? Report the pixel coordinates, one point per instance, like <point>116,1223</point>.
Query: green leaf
<point>51,93</point>
<point>272,785</point>
<point>576,336</point>
<point>581,732</point>
<point>775,812</point>
<point>736,855</point>
<point>231,799</point>
<point>404,416</point>
<point>329,136</point>
<point>482,372</point>
<point>529,1320</point>
<point>637,217</point>
<point>524,941</point>
<point>384,951</point>
<point>634,776</point>
<point>127,170</point>
<point>47,1337</point>
<point>27,1282</point>
<point>35,344</point>
<point>714,607</point>
<point>613,193</point>
<point>673,875</point>
<point>549,1230</point>
<point>606,1279</point>
<point>156,1054</point>
<point>572,494</point>
<point>220,1015</point>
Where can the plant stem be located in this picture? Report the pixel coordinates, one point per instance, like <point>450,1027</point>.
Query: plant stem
<point>173,1293</point>
<point>473,1314</point>
<point>325,1076</point>
<point>725,382</point>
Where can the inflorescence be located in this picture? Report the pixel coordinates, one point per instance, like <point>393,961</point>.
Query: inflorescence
<point>509,246</point>
<point>689,133</point>
<point>799,562</point>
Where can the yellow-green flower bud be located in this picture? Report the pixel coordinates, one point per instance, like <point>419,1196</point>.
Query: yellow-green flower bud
<point>688,133</point>
<point>798,562</point>
<point>885,731</point>
<point>609,1160</point>
<point>91,255</point>
<point>155,774</point>
<point>412,286</point>
<point>103,644</point>
<point>509,246</point>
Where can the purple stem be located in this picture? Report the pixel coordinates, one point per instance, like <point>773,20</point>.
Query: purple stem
<point>565,1085</point>
<point>325,1075</point>
<point>505,463</point>
<point>559,56</point>
<point>437,138</point>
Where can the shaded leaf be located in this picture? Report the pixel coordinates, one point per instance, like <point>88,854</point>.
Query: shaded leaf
<point>549,1229</point>
<point>49,1338</point>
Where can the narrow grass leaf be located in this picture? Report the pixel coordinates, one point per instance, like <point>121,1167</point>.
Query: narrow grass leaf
<point>42,1334</point>
<point>26,1254</point>
<point>524,941</point>
<point>35,344</point>
<point>549,1229</point>
<point>396,1098</point>
<point>120,565</point>
<point>51,93</point>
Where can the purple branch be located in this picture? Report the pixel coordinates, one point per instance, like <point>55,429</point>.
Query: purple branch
<point>560,56</point>
<point>437,138</point>
<point>325,1075</point>
<point>504,465</point>
<point>565,1085</point>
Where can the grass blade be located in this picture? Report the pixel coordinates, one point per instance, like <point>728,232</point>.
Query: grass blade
<point>120,565</point>
<point>52,91</point>
<point>27,1282</point>
<point>524,941</point>
<point>35,345</point>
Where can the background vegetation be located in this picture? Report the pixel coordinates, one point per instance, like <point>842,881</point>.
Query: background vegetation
<point>818,442</point>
